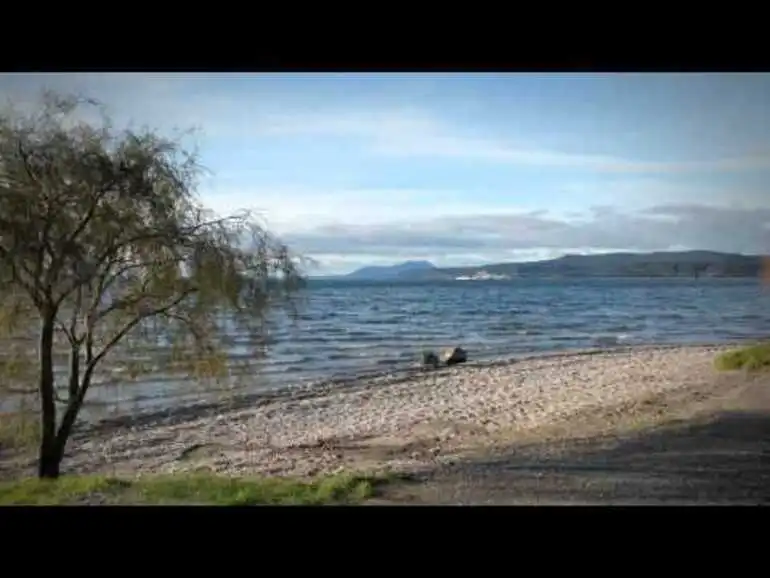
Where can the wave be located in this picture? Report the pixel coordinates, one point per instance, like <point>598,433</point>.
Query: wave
<point>349,330</point>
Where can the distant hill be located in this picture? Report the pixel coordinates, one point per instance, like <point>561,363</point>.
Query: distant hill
<point>659,264</point>
<point>410,269</point>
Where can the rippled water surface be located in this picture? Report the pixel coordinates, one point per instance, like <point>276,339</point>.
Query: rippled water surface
<point>350,328</point>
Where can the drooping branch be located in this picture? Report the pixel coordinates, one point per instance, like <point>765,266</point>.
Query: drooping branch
<point>121,333</point>
<point>103,239</point>
<point>106,265</point>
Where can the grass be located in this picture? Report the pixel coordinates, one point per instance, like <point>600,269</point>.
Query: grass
<point>195,489</point>
<point>752,358</point>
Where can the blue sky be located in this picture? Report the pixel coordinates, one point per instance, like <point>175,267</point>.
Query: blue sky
<point>356,169</point>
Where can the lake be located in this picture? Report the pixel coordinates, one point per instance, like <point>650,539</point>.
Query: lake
<point>352,328</point>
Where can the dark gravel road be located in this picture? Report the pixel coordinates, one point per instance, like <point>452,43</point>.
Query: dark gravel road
<point>716,451</point>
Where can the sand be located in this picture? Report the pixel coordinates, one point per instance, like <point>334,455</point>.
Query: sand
<point>378,425</point>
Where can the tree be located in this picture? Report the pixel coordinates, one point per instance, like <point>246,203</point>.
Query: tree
<point>104,245</point>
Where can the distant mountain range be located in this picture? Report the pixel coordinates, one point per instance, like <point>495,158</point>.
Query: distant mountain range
<point>403,270</point>
<point>658,264</point>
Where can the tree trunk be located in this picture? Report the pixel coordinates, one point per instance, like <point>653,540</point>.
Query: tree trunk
<point>73,407</point>
<point>49,462</point>
<point>68,420</point>
<point>49,458</point>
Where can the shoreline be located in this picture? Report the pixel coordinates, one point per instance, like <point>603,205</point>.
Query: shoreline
<point>319,388</point>
<point>405,423</point>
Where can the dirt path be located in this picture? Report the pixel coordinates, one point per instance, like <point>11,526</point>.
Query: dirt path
<point>708,445</point>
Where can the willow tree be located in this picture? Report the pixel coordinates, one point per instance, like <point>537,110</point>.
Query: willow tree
<point>103,241</point>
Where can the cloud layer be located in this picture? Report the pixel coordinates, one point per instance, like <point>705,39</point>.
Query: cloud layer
<point>450,239</point>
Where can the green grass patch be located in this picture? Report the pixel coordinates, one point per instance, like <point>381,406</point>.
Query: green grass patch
<point>181,489</point>
<point>752,358</point>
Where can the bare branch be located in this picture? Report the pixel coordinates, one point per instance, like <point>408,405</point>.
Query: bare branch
<point>75,315</point>
<point>130,325</point>
<point>66,331</point>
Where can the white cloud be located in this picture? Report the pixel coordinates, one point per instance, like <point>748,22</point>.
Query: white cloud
<point>303,209</point>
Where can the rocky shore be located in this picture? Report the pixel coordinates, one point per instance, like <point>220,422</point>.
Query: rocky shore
<point>389,423</point>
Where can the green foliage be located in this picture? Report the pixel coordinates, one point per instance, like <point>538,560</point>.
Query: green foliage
<point>753,358</point>
<point>196,489</point>
<point>104,245</point>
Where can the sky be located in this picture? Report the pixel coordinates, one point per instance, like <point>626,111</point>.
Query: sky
<point>464,169</point>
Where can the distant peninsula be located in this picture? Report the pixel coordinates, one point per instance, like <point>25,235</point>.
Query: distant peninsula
<point>692,264</point>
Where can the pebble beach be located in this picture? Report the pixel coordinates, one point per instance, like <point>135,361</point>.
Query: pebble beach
<point>377,425</point>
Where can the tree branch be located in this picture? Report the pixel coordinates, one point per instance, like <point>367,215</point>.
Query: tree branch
<point>31,290</point>
<point>47,223</point>
<point>70,332</point>
<point>124,303</point>
<point>106,260</point>
<point>74,377</point>
<point>78,394</point>
<point>188,324</point>
<point>91,212</point>
<point>130,325</point>
<point>66,330</point>
<point>76,313</point>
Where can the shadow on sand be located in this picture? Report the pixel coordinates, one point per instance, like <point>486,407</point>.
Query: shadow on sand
<point>722,459</point>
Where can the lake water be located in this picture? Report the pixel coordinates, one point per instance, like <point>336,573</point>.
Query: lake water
<point>347,329</point>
